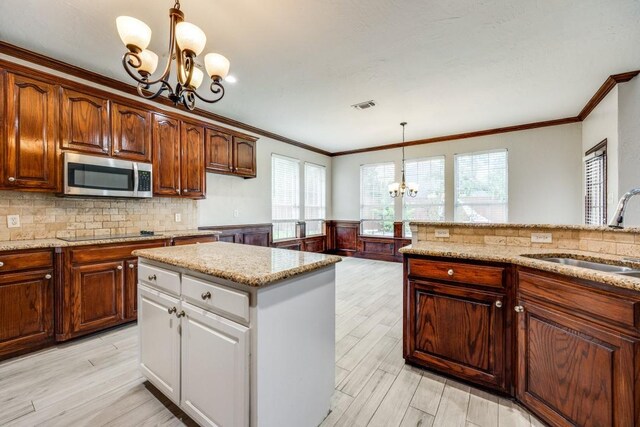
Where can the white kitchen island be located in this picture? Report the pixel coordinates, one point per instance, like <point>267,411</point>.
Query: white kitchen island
<point>239,335</point>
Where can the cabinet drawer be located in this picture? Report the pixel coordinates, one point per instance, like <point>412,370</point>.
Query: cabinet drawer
<point>457,272</point>
<point>159,278</point>
<point>25,260</point>
<point>614,308</point>
<point>216,298</point>
<point>179,241</point>
<point>104,253</point>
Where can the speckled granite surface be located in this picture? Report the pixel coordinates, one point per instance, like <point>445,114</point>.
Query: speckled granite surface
<point>248,265</point>
<point>517,255</point>
<point>542,226</point>
<point>16,245</point>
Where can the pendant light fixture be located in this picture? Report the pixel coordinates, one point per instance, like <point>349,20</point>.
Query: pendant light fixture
<point>400,189</point>
<point>186,42</point>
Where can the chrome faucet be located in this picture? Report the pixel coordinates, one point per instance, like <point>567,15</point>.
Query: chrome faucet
<point>618,218</point>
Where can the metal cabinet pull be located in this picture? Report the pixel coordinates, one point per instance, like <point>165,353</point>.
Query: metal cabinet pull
<point>11,179</point>
<point>206,295</point>
<point>499,304</point>
<point>1,264</point>
<point>450,272</point>
<point>132,265</point>
<point>181,314</point>
<point>172,310</point>
<point>152,277</point>
<point>47,276</point>
<point>119,267</point>
<point>518,308</point>
<point>116,151</point>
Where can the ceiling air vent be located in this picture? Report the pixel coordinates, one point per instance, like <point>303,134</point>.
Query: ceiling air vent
<point>364,105</point>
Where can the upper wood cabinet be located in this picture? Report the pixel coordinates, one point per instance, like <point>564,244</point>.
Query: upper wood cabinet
<point>219,151</point>
<point>244,157</point>
<point>131,133</point>
<point>84,122</point>
<point>192,175</point>
<point>31,134</point>
<point>166,156</point>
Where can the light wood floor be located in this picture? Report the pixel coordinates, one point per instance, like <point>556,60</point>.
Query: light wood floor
<point>95,381</point>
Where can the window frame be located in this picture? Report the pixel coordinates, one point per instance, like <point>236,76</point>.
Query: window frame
<point>382,221</point>
<point>296,221</point>
<point>590,155</point>
<point>324,201</point>
<point>406,232</point>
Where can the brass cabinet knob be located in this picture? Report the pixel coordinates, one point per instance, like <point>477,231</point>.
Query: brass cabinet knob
<point>499,304</point>
<point>119,267</point>
<point>206,295</point>
<point>11,179</point>
<point>132,266</point>
<point>518,308</point>
<point>152,277</point>
<point>172,310</point>
<point>450,272</point>
<point>181,314</point>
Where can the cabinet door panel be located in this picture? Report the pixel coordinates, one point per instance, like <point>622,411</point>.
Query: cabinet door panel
<point>30,160</point>
<point>244,157</point>
<point>166,156</point>
<point>219,151</point>
<point>160,341</point>
<point>96,295</point>
<point>85,122</point>
<point>573,372</point>
<point>131,133</point>
<point>214,351</point>
<point>192,160</point>
<point>459,330</point>
<point>26,310</point>
<point>131,289</point>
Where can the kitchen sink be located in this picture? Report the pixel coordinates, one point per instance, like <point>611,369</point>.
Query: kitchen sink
<point>599,266</point>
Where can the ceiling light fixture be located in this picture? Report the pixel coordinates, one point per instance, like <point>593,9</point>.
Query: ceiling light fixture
<point>399,189</point>
<point>186,42</point>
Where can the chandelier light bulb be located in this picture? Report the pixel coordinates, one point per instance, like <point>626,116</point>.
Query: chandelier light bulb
<point>135,34</point>
<point>190,38</point>
<point>217,65</point>
<point>149,62</point>
<point>196,78</point>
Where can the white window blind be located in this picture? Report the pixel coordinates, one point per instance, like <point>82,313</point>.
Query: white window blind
<point>376,206</point>
<point>481,186</point>
<point>315,177</point>
<point>428,205</point>
<point>595,201</point>
<point>285,196</point>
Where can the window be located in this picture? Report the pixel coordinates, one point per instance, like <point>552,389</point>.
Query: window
<point>314,198</point>
<point>428,205</point>
<point>285,196</point>
<point>376,206</point>
<point>481,187</point>
<point>595,175</point>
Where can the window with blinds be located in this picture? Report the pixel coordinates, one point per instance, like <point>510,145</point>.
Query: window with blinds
<point>481,186</point>
<point>595,195</point>
<point>285,196</point>
<point>428,205</point>
<point>315,183</point>
<point>376,206</point>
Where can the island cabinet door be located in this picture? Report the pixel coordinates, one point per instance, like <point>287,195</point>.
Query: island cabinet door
<point>574,372</point>
<point>215,369</point>
<point>159,329</point>
<point>457,330</point>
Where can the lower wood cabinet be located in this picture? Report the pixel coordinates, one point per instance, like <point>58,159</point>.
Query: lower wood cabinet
<point>131,289</point>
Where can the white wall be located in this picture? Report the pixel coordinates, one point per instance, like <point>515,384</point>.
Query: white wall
<point>600,124</point>
<point>629,146</point>
<point>545,173</point>
<point>252,197</point>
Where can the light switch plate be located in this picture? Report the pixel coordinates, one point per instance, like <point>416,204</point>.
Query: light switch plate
<point>178,217</point>
<point>442,232</point>
<point>541,238</point>
<point>13,221</point>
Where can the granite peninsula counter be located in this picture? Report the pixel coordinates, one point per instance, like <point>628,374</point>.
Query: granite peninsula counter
<point>239,335</point>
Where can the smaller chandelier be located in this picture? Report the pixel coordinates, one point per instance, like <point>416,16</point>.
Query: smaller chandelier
<point>186,42</point>
<point>400,189</point>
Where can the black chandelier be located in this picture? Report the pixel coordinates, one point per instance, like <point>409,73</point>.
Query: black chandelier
<point>186,42</point>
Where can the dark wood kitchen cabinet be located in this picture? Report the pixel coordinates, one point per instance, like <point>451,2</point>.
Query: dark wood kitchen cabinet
<point>166,156</point>
<point>192,172</point>
<point>26,301</point>
<point>131,133</point>
<point>30,133</point>
<point>84,122</point>
<point>244,157</point>
<point>219,152</point>
<point>131,289</point>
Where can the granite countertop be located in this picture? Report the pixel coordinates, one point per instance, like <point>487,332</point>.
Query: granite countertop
<point>517,255</point>
<point>16,245</point>
<point>480,225</point>
<point>248,265</point>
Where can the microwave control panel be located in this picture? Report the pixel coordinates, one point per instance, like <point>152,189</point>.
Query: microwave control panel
<point>144,181</point>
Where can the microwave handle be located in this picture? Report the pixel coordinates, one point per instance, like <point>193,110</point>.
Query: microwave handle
<point>136,179</point>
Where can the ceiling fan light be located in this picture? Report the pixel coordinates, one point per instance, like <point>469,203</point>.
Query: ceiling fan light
<point>196,78</point>
<point>149,62</point>
<point>217,65</point>
<point>135,34</point>
<point>190,37</point>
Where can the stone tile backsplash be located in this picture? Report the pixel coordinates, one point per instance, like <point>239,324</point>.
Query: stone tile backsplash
<point>44,215</point>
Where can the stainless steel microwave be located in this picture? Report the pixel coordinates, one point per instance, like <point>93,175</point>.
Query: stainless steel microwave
<point>103,176</point>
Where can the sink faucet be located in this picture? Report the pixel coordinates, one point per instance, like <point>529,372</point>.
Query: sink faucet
<point>618,218</point>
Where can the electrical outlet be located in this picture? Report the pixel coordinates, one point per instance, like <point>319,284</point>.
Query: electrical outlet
<point>236,213</point>
<point>541,238</point>
<point>178,217</point>
<point>13,221</point>
<point>442,232</point>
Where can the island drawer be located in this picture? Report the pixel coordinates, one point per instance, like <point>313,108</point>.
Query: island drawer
<point>27,260</point>
<point>481,275</point>
<point>159,278</point>
<point>216,298</point>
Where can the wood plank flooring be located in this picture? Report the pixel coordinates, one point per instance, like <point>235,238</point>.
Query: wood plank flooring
<point>95,381</point>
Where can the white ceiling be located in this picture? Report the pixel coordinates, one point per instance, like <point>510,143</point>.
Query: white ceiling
<point>443,66</point>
